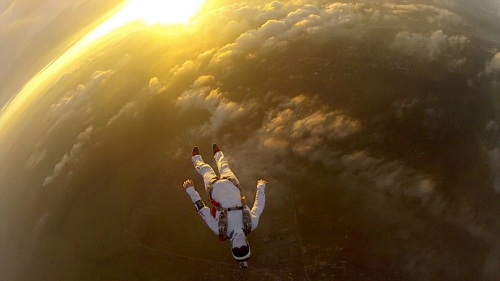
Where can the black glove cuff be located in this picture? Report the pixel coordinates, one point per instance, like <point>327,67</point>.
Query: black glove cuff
<point>199,205</point>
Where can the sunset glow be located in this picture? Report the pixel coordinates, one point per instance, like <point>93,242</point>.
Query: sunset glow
<point>147,11</point>
<point>163,12</point>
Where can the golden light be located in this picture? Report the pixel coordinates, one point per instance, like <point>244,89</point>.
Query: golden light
<point>147,11</point>
<point>163,12</point>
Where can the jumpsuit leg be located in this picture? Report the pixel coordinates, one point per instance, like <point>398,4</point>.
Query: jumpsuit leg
<point>223,166</point>
<point>203,169</point>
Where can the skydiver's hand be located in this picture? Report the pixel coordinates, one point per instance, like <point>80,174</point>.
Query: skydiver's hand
<point>261,181</point>
<point>188,183</point>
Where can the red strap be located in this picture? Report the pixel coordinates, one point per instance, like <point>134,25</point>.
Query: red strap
<point>212,212</point>
<point>214,203</point>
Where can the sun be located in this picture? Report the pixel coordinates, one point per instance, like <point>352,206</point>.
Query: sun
<point>161,11</point>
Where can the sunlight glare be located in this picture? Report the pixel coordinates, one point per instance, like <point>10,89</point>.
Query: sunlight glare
<point>162,11</point>
<point>148,11</point>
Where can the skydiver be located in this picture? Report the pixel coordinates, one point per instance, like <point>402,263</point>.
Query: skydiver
<point>230,218</point>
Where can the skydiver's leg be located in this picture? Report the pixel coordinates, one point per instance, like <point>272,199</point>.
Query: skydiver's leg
<point>223,166</point>
<point>203,169</point>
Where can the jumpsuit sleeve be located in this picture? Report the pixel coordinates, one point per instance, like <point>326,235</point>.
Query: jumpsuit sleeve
<point>205,211</point>
<point>258,204</point>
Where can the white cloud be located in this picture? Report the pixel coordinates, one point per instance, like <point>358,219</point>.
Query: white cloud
<point>301,14</point>
<point>190,67</point>
<point>304,127</point>
<point>202,95</point>
<point>234,28</point>
<point>300,126</point>
<point>133,108</point>
<point>250,41</point>
<point>73,108</point>
<point>425,12</point>
<point>154,85</point>
<point>401,106</point>
<point>35,160</point>
<point>457,63</point>
<point>389,176</point>
<point>186,67</point>
<point>79,98</point>
<point>204,80</point>
<point>306,21</point>
<point>75,105</point>
<point>124,61</point>
<point>345,14</point>
<point>492,126</point>
<point>494,157</point>
<point>291,23</point>
<point>429,47</point>
<point>126,110</point>
<point>73,156</point>
<point>493,65</point>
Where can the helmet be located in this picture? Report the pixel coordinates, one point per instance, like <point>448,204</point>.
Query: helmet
<point>240,247</point>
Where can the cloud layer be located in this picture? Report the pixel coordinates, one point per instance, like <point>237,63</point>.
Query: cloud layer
<point>340,106</point>
<point>430,47</point>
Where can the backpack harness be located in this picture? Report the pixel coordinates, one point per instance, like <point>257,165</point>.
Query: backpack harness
<point>247,221</point>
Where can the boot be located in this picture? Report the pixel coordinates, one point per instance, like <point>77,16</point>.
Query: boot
<point>196,151</point>
<point>215,148</point>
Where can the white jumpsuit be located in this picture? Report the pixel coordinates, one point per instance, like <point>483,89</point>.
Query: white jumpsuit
<point>227,194</point>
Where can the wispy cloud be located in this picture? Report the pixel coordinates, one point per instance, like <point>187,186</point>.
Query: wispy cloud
<point>390,177</point>
<point>493,65</point>
<point>73,107</point>
<point>72,157</point>
<point>429,46</point>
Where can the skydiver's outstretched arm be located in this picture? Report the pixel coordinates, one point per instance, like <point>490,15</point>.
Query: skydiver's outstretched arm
<point>203,210</point>
<point>259,203</point>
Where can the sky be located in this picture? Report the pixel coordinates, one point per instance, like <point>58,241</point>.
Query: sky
<point>375,123</point>
<point>34,34</point>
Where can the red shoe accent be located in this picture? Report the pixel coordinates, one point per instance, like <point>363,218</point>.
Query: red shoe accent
<point>215,148</point>
<point>196,151</point>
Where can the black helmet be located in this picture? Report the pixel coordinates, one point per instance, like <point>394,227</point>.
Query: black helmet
<point>240,247</point>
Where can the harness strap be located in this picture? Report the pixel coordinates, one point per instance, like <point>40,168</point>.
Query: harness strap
<point>222,226</point>
<point>218,208</point>
<point>246,217</point>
